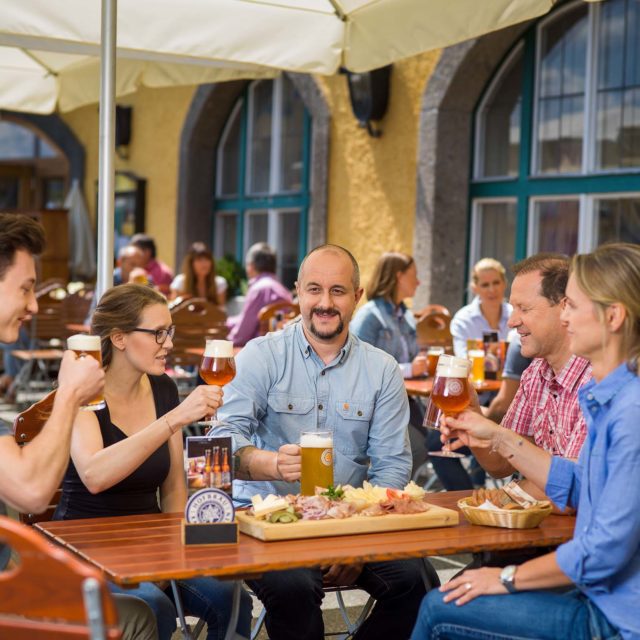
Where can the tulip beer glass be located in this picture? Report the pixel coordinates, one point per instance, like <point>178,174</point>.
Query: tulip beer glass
<point>83,345</point>
<point>217,367</point>
<point>317,461</point>
<point>451,393</point>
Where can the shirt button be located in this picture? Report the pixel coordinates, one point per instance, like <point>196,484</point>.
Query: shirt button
<point>360,413</point>
<point>290,407</point>
<point>590,396</point>
<point>550,431</point>
<point>322,373</point>
<point>320,407</point>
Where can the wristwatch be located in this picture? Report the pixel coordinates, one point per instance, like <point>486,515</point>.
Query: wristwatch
<point>508,576</point>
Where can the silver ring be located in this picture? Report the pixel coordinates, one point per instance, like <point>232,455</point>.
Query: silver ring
<point>467,586</point>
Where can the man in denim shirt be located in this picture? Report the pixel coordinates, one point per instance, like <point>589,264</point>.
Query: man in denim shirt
<point>316,375</point>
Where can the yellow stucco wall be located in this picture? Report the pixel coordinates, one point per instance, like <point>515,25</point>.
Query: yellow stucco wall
<point>372,181</point>
<point>157,119</point>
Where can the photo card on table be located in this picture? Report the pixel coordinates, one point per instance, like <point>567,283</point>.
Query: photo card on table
<point>209,463</point>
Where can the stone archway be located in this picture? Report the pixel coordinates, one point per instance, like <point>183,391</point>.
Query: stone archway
<point>444,163</point>
<point>203,127</point>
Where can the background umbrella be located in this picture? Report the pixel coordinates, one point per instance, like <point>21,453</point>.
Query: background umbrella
<point>82,258</point>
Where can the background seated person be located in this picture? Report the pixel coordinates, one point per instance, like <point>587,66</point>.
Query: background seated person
<point>125,456</point>
<point>602,560</point>
<point>198,277</point>
<point>311,375</point>
<point>264,288</point>
<point>130,267</point>
<point>488,311</point>
<point>160,273</point>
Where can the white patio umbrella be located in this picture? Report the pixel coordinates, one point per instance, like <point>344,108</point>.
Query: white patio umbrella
<point>82,254</point>
<point>224,39</point>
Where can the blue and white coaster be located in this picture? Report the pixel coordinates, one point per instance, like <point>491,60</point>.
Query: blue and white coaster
<point>209,506</point>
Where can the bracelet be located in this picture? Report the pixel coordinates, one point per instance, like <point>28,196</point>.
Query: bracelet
<point>172,430</point>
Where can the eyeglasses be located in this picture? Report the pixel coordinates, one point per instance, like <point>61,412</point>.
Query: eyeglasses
<point>160,334</point>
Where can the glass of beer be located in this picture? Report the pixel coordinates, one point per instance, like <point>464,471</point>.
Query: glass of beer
<point>88,346</point>
<point>433,353</point>
<point>317,461</point>
<point>451,393</point>
<point>217,367</point>
<point>477,366</point>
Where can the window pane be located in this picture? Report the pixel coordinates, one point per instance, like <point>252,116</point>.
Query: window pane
<point>291,161</point>
<point>287,248</point>
<point>54,193</point>
<point>256,228</point>
<point>497,231</point>
<point>226,233</point>
<point>563,45</point>
<point>16,142</point>
<point>500,124</point>
<point>618,219</point>
<point>9,191</point>
<point>230,156</point>
<point>557,226</point>
<point>260,142</point>
<point>618,92</point>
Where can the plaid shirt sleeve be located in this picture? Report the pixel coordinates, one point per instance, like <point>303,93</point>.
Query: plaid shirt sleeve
<point>519,416</point>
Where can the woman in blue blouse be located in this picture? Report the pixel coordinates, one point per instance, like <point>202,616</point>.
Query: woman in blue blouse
<point>596,576</point>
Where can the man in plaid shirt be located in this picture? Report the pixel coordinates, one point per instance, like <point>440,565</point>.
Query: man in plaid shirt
<point>545,409</point>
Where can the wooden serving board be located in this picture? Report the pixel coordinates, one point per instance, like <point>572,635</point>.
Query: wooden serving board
<point>435,517</point>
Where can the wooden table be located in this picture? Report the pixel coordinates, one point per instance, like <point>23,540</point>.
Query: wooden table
<point>421,387</point>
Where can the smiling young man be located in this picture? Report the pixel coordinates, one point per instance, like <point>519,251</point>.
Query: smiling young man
<point>312,375</point>
<point>545,409</point>
<point>30,475</point>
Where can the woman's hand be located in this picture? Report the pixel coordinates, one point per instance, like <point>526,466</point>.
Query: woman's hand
<point>474,583</point>
<point>472,430</point>
<point>201,402</point>
<point>419,366</point>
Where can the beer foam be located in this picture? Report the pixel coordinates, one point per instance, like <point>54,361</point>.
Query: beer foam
<point>476,353</point>
<point>453,367</point>
<point>435,351</point>
<point>316,440</point>
<point>219,349</point>
<point>83,342</point>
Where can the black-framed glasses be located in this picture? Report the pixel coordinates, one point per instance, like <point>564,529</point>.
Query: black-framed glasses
<point>160,334</point>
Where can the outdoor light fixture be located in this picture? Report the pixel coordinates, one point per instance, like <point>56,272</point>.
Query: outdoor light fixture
<point>123,130</point>
<point>369,93</point>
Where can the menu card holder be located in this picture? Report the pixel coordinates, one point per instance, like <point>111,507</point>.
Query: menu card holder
<point>209,533</point>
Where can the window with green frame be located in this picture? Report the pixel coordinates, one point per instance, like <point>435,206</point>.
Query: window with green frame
<point>557,137</point>
<point>262,176</point>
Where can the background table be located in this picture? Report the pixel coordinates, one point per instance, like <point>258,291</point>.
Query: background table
<point>422,386</point>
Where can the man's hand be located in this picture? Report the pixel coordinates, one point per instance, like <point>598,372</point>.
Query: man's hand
<point>289,462</point>
<point>83,378</point>
<point>419,366</point>
<point>341,575</point>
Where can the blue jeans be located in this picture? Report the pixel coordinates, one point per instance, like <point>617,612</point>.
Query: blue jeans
<point>205,598</point>
<point>543,615</point>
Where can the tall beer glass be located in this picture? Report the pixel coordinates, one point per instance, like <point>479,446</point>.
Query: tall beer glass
<point>433,354</point>
<point>477,366</point>
<point>317,461</point>
<point>88,346</point>
<point>217,367</point>
<point>451,393</point>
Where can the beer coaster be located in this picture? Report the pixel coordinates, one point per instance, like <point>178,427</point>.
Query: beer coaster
<point>209,506</point>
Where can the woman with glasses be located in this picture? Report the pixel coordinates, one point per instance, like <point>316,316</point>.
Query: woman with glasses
<point>590,586</point>
<point>128,458</point>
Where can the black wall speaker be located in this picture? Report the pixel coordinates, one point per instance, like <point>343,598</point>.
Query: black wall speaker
<point>123,126</point>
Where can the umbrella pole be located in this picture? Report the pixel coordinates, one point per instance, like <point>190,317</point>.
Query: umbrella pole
<point>106,176</point>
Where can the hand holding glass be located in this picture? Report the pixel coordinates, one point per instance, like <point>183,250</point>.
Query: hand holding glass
<point>88,346</point>
<point>217,367</point>
<point>451,393</point>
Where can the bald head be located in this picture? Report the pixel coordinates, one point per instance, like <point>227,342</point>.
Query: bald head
<point>335,250</point>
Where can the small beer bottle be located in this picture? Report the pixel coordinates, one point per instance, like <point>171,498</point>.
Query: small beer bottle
<point>491,360</point>
<point>217,474</point>
<point>207,467</point>
<point>226,471</point>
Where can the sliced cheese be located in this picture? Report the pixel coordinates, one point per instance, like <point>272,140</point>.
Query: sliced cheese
<point>263,507</point>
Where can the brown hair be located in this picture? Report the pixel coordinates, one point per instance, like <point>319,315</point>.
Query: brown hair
<point>120,309</point>
<point>18,232</point>
<point>384,281</point>
<point>554,269</point>
<point>611,274</point>
<point>199,250</point>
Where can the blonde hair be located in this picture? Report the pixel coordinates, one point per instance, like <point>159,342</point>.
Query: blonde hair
<point>611,274</point>
<point>120,309</point>
<point>384,281</point>
<point>487,264</point>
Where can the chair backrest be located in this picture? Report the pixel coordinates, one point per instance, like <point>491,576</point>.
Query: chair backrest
<point>50,593</point>
<point>196,320</point>
<point>49,323</point>
<point>432,329</point>
<point>77,305</point>
<point>275,315</point>
<point>431,308</point>
<point>26,426</point>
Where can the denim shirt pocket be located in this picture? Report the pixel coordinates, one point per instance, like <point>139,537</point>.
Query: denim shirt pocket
<point>352,429</point>
<point>294,414</point>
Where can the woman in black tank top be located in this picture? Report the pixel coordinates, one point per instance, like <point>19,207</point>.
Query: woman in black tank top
<point>127,455</point>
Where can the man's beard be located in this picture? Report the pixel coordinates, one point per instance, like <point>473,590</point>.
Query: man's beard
<point>328,335</point>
